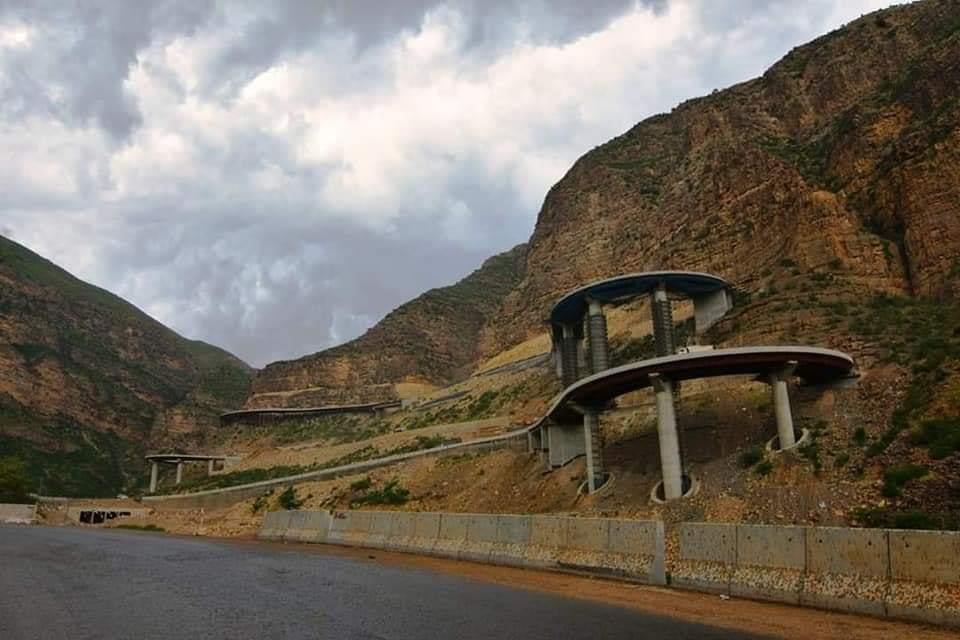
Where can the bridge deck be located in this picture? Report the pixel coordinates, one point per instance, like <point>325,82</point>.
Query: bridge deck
<point>571,307</point>
<point>814,365</point>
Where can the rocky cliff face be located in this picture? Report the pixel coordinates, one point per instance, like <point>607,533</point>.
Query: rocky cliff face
<point>88,382</point>
<point>832,178</point>
<point>432,339</point>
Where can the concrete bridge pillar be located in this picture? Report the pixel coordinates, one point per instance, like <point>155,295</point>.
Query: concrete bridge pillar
<point>153,477</point>
<point>210,467</point>
<point>591,434</point>
<point>663,332</point>
<point>781,405</point>
<point>179,471</point>
<point>670,464</point>
<point>569,356</point>
<point>599,346</point>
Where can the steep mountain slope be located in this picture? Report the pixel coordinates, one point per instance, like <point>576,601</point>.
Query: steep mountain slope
<point>88,382</point>
<point>432,339</point>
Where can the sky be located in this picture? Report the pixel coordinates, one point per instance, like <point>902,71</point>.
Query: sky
<point>274,177</point>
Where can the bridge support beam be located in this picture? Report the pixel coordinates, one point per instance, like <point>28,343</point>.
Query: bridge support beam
<point>210,467</point>
<point>179,471</point>
<point>153,477</point>
<point>708,308</point>
<point>568,356</point>
<point>670,464</point>
<point>566,443</point>
<point>781,405</point>
<point>591,436</point>
<point>599,346</point>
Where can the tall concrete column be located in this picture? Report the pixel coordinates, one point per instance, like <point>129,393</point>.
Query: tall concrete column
<point>210,467</point>
<point>591,435</point>
<point>781,405</point>
<point>153,477</point>
<point>599,346</point>
<point>670,464</point>
<point>663,332</point>
<point>569,354</point>
<point>179,471</point>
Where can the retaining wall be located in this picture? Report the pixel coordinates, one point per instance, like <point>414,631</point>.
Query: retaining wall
<point>632,549</point>
<point>221,498</point>
<point>913,575</point>
<point>18,513</point>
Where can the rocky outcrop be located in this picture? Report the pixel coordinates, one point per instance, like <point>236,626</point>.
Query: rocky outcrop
<point>88,382</point>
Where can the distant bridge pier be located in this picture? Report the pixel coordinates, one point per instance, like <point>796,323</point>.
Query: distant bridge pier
<point>670,464</point>
<point>781,405</point>
<point>180,459</point>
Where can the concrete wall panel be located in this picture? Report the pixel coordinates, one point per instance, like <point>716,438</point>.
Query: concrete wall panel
<point>548,534</point>
<point>381,525</point>
<point>708,555</point>
<point>274,525</point>
<point>453,534</point>
<point>846,569</point>
<point>770,563</point>
<point>586,544</point>
<point>925,576</point>
<point>637,549</point>
<point>513,537</point>
<point>426,530</point>
<point>296,526</point>
<point>340,523</point>
<point>481,538</point>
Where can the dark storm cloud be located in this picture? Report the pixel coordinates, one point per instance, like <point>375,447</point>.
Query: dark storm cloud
<point>87,49</point>
<point>287,26</point>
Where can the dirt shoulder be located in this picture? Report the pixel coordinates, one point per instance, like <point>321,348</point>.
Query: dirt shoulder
<point>770,619</point>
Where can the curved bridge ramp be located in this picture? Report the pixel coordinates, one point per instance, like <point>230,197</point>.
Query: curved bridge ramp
<point>570,428</point>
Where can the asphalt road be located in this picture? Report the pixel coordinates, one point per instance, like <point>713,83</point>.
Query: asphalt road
<point>87,583</point>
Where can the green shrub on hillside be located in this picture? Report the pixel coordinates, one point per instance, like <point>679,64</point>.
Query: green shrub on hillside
<point>392,493</point>
<point>289,500</point>
<point>750,457</point>
<point>895,478</point>
<point>764,468</point>
<point>14,482</point>
<point>361,485</point>
<point>941,436</point>
<point>879,517</point>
